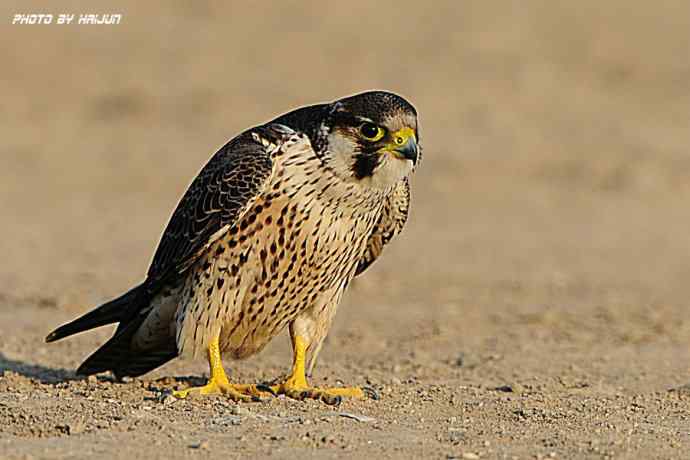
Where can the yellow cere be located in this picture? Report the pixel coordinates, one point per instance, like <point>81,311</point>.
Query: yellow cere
<point>401,136</point>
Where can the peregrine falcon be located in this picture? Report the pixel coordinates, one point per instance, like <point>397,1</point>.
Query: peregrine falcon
<point>268,235</point>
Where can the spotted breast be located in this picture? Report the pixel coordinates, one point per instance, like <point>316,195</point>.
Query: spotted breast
<point>297,246</point>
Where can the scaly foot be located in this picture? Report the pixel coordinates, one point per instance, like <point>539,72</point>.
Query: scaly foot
<point>295,386</point>
<point>219,383</point>
<point>236,392</point>
<point>294,389</point>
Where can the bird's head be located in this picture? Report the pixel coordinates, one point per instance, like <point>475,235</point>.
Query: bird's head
<point>371,138</point>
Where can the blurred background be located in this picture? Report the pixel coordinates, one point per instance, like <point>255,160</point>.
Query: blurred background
<point>550,212</point>
<point>537,302</point>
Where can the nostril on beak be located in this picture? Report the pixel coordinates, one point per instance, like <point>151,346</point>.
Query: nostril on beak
<point>408,150</point>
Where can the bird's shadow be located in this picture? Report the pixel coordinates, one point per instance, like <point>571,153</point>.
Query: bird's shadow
<point>42,374</point>
<point>52,375</point>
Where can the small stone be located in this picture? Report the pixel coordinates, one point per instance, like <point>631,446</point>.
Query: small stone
<point>169,399</point>
<point>239,410</point>
<point>455,435</point>
<point>470,456</point>
<point>201,445</point>
<point>504,389</point>
<point>227,420</point>
<point>74,428</point>
<point>359,418</point>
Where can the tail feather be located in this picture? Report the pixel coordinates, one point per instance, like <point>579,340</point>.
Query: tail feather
<point>110,312</point>
<point>117,355</point>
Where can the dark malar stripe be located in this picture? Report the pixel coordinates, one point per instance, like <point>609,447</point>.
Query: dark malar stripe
<point>364,165</point>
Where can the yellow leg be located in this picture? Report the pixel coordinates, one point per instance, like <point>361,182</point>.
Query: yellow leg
<point>296,386</point>
<point>219,383</point>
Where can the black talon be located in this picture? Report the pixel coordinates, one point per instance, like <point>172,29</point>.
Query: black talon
<point>266,389</point>
<point>371,393</point>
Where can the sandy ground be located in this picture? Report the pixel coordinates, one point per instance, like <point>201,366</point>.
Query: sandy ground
<point>535,307</point>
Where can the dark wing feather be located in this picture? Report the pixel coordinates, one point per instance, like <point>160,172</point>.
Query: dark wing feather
<point>215,200</point>
<point>390,223</point>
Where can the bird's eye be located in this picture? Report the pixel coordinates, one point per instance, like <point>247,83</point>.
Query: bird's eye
<point>371,132</point>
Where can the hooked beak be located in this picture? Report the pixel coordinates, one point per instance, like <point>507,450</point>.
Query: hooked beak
<point>408,150</point>
<point>404,145</point>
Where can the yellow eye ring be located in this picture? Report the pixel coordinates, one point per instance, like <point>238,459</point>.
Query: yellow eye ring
<point>371,132</point>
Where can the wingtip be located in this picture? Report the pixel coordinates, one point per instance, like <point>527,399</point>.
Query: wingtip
<point>56,335</point>
<point>52,337</point>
